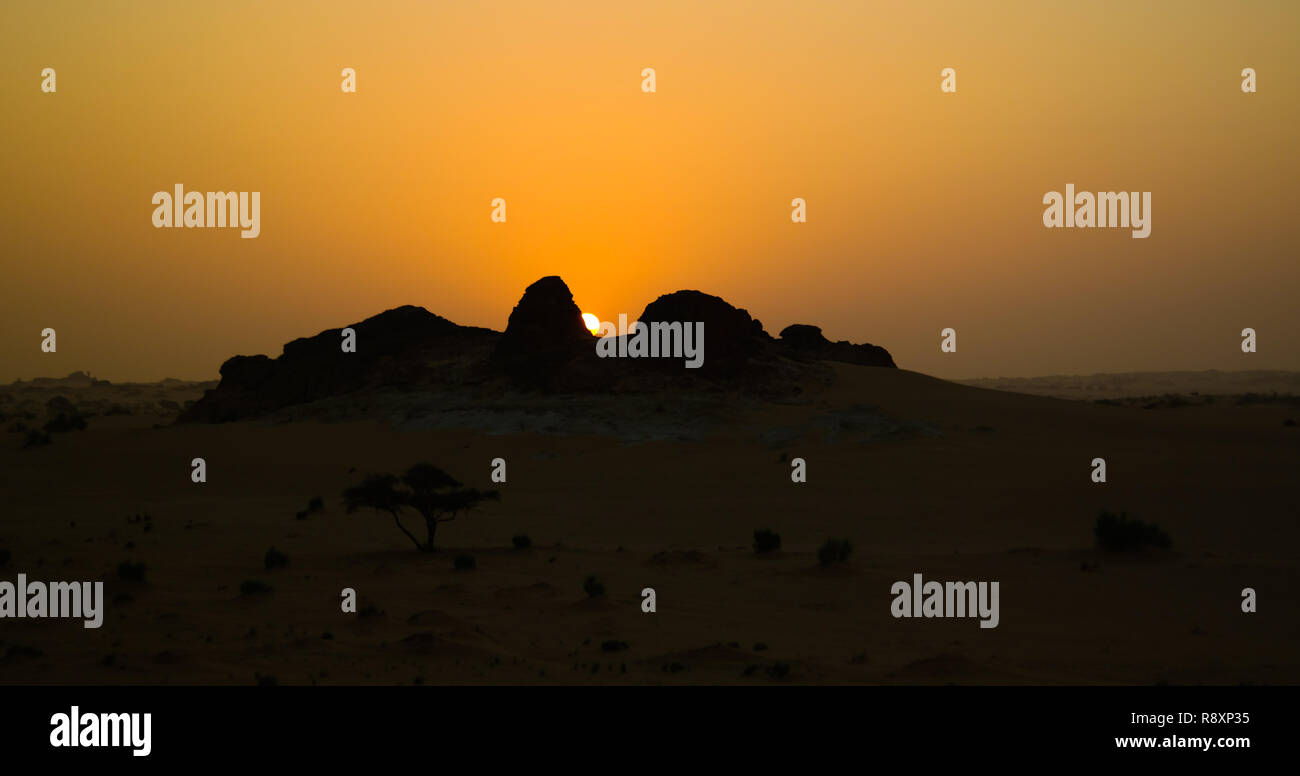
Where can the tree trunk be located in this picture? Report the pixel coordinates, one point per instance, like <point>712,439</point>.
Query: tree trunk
<point>409,535</point>
<point>431,525</point>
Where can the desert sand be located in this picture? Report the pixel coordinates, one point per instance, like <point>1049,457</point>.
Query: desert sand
<point>922,475</point>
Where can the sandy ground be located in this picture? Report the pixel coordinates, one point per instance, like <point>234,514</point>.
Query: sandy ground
<point>924,476</point>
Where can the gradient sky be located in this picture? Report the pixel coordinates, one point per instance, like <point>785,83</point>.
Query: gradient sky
<point>924,209</point>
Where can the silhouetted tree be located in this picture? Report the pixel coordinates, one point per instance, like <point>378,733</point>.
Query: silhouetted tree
<point>439,497</point>
<point>379,492</point>
<point>435,495</point>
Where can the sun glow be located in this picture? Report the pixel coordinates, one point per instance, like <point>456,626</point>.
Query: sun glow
<point>592,322</point>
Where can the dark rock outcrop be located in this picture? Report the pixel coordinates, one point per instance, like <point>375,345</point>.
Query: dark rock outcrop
<point>544,336</point>
<point>805,341</point>
<point>546,347</point>
<point>731,336</point>
<point>397,347</point>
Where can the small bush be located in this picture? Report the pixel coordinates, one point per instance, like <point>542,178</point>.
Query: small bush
<point>254,587</point>
<point>521,541</point>
<point>766,540</point>
<point>464,562</point>
<point>315,506</point>
<point>593,587</point>
<point>63,423</point>
<point>275,559</point>
<point>834,551</point>
<point>1120,533</point>
<point>130,572</point>
<point>613,645</point>
<point>36,439</point>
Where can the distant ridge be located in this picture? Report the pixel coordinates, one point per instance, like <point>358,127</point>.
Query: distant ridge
<point>1120,385</point>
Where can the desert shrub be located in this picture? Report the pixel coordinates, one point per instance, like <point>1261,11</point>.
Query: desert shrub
<point>36,439</point>
<point>593,587</point>
<point>17,427</point>
<point>254,587</point>
<point>314,506</point>
<point>613,645</point>
<point>778,670</point>
<point>464,562</point>
<point>274,559</point>
<point>834,551</point>
<point>128,571</point>
<point>766,540</point>
<point>521,541</point>
<point>1120,533</point>
<point>64,422</point>
<point>430,492</point>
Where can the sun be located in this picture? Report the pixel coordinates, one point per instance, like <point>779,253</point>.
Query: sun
<point>592,322</point>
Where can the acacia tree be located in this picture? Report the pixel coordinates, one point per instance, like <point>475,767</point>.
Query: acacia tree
<point>439,497</point>
<point>379,492</point>
<point>435,495</point>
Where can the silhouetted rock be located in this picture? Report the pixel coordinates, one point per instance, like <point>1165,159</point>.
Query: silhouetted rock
<point>544,336</point>
<point>546,347</point>
<point>807,341</point>
<point>545,320</point>
<point>731,336</point>
<point>398,347</point>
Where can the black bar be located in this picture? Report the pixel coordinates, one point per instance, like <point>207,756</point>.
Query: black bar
<point>997,725</point>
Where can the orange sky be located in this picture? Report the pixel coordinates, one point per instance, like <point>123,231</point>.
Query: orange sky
<point>924,209</point>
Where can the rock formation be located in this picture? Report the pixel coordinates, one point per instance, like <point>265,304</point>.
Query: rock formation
<point>397,347</point>
<point>806,341</point>
<point>545,347</point>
